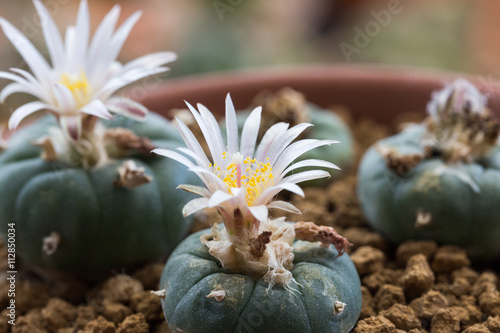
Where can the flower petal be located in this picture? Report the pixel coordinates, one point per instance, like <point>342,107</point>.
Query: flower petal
<point>173,155</point>
<point>306,175</point>
<point>194,205</point>
<point>52,36</point>
<point>295,150</point>
<point>13,88</point>
<point>24,111</point>
<point>213,126</point>
<point>191,141</point>
<point>270,137</point>
<point>284,140</point>
<point>195,189</point>
<point>219,197</point>
<point>250,132</point>
<point>270,192</point>
<point>150,61</point>
<point>231,126</point>
<point>98,109</point>
<point>65,100</point>
<point>127,107</point>
<point>30,54</point>
<point>260,212</point>
<point>309,163</point>
<point>82,32</point>
<point>283,205</point>
<point>72,125</point>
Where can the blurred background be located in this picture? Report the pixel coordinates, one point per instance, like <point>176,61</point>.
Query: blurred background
<point>221,35</point>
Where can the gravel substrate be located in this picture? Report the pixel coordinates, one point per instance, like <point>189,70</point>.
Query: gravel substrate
<point>417,286</point>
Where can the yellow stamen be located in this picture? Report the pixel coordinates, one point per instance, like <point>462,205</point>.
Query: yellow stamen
<point>79,86</point>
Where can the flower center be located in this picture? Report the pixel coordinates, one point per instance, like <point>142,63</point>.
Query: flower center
<point>252,175</point>
<point>79,86</point>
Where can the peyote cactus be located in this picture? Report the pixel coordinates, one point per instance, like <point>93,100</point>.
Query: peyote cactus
<point>290,106</point>
<point>87,196</point>
<point>255,272</point>
<point>439,179</point>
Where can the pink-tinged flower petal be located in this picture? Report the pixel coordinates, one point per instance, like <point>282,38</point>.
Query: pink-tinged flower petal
<point>194,205</point>
<point>38,89</point>
<point>260,212</point>
<point>269,139</point>
<point>295,150</point>
<point>72,125</point>
<point>82,34</point>
<point>29,53</point>
<point>52,36</point>
<point>65,100</point>
<point>213,146</point>
<point>266,196</point>
<point>214,183</point>
<point>231,126</point>
<point>219,197</point>
<point>173,155</point>
<point>283,205</point>
<point>71,48</point>
<point>100,42</point>
<point>13,88</point>
<point>121,35</point>
<point>150,61</point>
<point>284,140</point>
<point>193,155</point>
<point>213,126</point>
<point>127,107</point>
<point>250,132</point>
<point>191,141</point>
<point>98,109</point>
<point>202,191</point>
<point>309,163</point>
<point>306,175</point>
<point>12,77</point>
<point>24,111</point>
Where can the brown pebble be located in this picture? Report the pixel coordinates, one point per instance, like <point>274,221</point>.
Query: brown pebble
<point>366,303</point>
<point>150,275</point>
<point>84,314</point>
<point>466,273</point>
<point>99,325</point>
<point>368,259</point>
<point>402,316</point>
<point>4,325</point>
<point>365,237</point>
<point>29,295</point>
<point>31,322</point>
<point>134,324</point>
<point>378,324</point>
<point>344,201</point>
<point>120,288</point>
<point>410,248</point>
<point>425,306</point>
<point>449,258</point>
<point>387,296</point>
<point>418,277</point>
<point>486,280</point>
<point>477,328</point>
<point>493,324</point>
<point>489,301</point>
<point>116,312</point>
<point>444,320</point>
<point>473,311</point>
<point>147,304</point>
<point>384,276</point>
<point>58,313</point>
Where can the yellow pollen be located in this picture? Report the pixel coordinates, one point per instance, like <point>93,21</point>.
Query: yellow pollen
<point>79,86</point>
<point>254,178</point>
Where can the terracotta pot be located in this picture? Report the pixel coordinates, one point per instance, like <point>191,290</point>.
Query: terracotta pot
<point>378,92</point>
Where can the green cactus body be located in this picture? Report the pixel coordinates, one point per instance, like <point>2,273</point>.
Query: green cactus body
<point>326,295</point>
<point>100,225</point>
<point>452,203</point>
<point>326,126</point>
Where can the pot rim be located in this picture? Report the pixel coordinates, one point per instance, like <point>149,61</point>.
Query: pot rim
<point>383,90</point>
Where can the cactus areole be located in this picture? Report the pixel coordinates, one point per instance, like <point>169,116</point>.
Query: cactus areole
<point>440,179</point>
<point>253,272</point>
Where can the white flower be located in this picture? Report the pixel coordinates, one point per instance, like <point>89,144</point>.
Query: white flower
<point>454,98</point>
<point>84,74</point>
<point>241,179</point>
